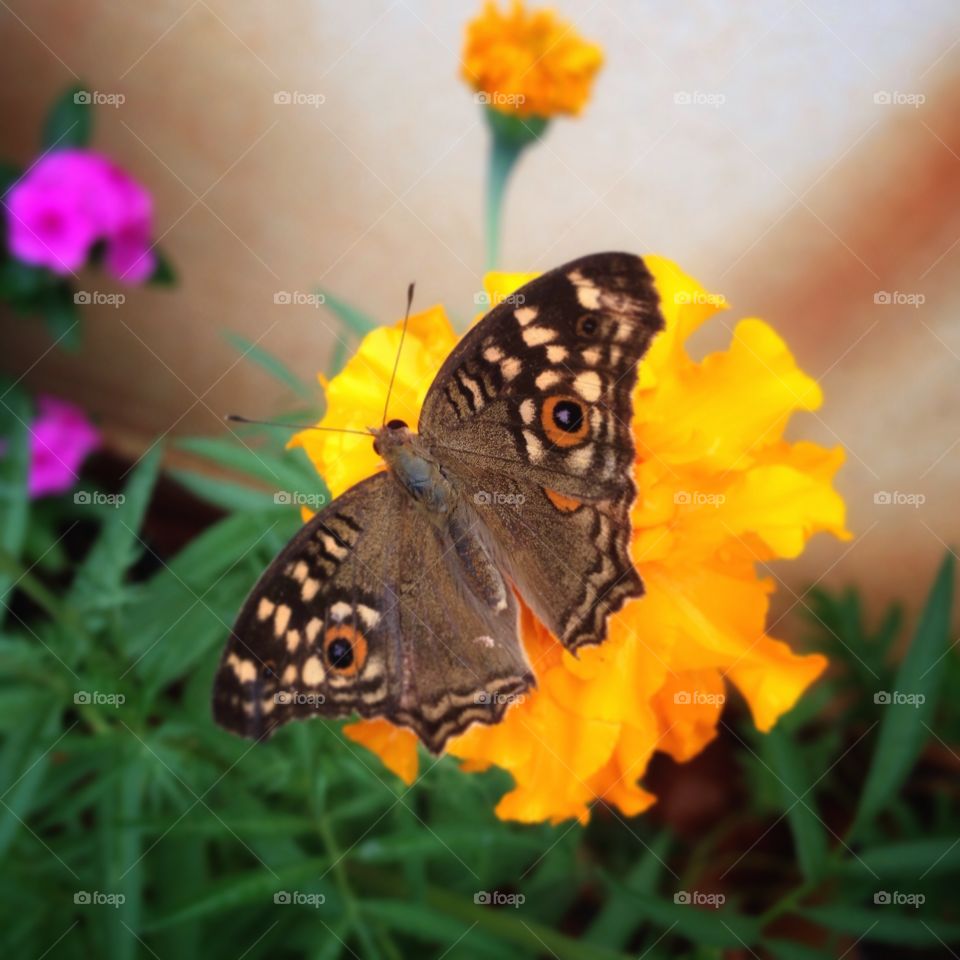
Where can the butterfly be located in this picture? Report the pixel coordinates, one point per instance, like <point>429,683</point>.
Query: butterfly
<point>397,600</point>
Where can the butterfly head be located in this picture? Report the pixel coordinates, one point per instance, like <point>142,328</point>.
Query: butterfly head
<point>393,434</point>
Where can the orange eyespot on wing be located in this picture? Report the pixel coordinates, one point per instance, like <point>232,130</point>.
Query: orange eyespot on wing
<point>562,503</point>
<point>345,650</point>
<point>564,420</point>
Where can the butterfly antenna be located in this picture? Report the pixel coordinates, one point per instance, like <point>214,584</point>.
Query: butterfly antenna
<point>396,363</point>
<point>236,418</point>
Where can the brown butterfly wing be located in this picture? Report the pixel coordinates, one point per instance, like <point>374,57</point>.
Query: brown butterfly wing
<point>531,414</point>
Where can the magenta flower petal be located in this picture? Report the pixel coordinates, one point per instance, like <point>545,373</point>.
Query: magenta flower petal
<point>71,199</point>
<point>61,438</point>
<point>129,256</point>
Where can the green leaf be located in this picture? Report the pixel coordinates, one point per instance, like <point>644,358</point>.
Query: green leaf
<point>616,921</point>
<point>251,887</point>
<point>14,477</point>
<point>787,950</point>
<point>273,365</point>
<point>885,924</point>
<point>103,570</point>
<point>70,120</point>
<point>9,174</point>
<point>797,800</point>
<point>163,273</point>
<point>289,473</point>
<point>224,494</point>
<point>61,315</point>
<point>918,859</point>
<point>21,283</point>
<point>353,319</point>
<point>906,725</point>
<point>721,927</point>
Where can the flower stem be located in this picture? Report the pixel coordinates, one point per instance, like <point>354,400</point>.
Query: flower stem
<point>503,156</point>
<point>509,135</point>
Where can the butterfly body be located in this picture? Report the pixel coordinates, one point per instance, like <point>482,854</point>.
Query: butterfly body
<point>398,599</point>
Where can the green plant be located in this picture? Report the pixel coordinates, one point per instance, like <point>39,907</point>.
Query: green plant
<point>118,789</point>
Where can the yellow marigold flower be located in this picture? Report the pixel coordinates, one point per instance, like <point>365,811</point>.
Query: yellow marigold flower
<point>529,62</point>
<point>719,492</point>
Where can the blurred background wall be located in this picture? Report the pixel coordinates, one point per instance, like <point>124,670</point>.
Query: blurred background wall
<point>803,181</point>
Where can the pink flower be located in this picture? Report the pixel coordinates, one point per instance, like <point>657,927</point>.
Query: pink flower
<point>71,199</point>
<point>61,437</point>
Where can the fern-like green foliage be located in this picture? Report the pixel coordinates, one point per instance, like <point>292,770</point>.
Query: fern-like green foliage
<point>131,826</point>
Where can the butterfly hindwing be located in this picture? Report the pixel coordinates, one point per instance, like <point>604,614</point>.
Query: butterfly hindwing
<point>283,659</point>
<point>362,613</point>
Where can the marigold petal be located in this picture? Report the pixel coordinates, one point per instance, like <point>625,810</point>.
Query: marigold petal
<point>773,678</point>
<point>529,63</point>
<point>395,746</point>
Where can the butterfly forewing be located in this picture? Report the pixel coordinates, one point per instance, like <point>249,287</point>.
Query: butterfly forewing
<point>532,414</point>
